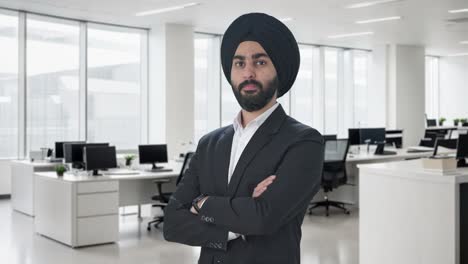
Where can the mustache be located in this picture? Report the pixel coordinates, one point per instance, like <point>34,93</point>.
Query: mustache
<point>247,82</point>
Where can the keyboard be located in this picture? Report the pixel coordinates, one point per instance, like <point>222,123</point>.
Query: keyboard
<point>159,170</point>
<point>120,172</point>
<point>419,149</point>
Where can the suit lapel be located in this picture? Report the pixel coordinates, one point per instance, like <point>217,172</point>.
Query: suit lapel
<point>223,157</point>
<point>263,135</point>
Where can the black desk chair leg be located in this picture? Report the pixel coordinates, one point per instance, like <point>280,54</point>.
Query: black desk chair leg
<point>327,204</point>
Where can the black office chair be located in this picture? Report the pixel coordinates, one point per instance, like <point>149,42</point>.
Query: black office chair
<point>334,173</point>
<point>162,198</point>
<point>446,143</point>
<point>430,139</point>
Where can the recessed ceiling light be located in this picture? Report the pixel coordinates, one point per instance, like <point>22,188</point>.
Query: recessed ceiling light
<point>458,54</point>
<point>371,3</point>
<point>464,42</point>
<point>458,11</point>
<point>286,19</point>
<point>167,9</point>
<point>351,35</point>
<point>378,20</point>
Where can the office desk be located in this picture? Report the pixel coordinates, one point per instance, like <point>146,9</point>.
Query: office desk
<point>350,193</point>
<point>22,183</point>
<point>83,210</point>
<point>411,215</point>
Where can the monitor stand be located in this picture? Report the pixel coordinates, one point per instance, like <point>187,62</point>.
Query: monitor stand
<point>461,163</point>
<point>96,173</point>
<point>155,167</point>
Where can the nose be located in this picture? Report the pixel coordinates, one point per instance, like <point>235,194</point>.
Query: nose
<point>248,72</point>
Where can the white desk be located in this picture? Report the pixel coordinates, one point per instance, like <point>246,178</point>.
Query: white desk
<point>350,193</point>
<point>22,183</point>
<point>83,210</point>
<point>410,215</point>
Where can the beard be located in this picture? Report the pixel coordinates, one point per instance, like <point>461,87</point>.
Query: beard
<point>251,102</point>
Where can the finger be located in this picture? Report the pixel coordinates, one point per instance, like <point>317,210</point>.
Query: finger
<point>265,183</point>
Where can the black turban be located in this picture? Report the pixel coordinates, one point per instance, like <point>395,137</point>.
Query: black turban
<point>275,38</point>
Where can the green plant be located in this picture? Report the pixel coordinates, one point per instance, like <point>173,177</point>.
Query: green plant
<point>441,121</point>
<point>463,120</point>
<point>456,121</point>
<point>128,159</point>
<point>60,169</point>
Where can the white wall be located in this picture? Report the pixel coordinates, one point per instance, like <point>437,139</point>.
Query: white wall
<point>453,88</point>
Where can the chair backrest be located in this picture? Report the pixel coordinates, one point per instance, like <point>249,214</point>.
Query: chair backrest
<point>446,143</point>
<point>430,138</point>
<point>334,166</point>
<point>336,150</point>
<point>185,166</point>
<point>329,137</point>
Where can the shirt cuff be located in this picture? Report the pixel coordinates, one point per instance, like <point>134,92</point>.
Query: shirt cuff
<point>232,236</point>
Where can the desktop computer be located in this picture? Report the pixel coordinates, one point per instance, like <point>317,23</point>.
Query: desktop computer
<point>99,158</point>
<point>59,147</point>
<point>73,153</point>
<point>153,154</point>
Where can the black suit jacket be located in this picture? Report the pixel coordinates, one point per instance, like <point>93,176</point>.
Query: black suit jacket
<point>270,223</point>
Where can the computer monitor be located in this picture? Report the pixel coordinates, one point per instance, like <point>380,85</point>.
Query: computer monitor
<point>446,143</point>
<point>372,135</point>
<point>462,150</point>
<point>73,152</point>
<point>354,136</point>
<point>59,153</point>
<point>152,154</point>
<point>99,158</point>
<point>431,122</point>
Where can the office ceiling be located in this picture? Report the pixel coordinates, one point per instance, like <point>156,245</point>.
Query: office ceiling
<point>424,22</point>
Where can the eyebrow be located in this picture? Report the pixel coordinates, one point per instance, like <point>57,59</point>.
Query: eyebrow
<point>255,56</point>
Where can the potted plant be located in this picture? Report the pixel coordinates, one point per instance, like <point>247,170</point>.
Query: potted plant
<point>463,120</point>
<point>60,169</point>
<point>128,159</point>
<point>456,121</point>
<point>441,121</point>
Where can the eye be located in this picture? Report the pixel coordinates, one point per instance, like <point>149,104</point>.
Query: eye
<point>261,62</point>
<point>239,63</point>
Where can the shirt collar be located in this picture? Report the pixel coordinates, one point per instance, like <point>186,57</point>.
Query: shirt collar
<point>259,120</point>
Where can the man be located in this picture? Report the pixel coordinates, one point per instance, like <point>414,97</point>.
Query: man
<point>244,196</point>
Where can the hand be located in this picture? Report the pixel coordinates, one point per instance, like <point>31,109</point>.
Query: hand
<point>262,186</point>
<point>200,204</point>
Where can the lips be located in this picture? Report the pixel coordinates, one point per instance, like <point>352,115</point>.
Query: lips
<point>250,87</point>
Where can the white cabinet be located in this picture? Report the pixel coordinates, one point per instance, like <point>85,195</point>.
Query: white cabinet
<point>77,213</point>
<point>22,184</point>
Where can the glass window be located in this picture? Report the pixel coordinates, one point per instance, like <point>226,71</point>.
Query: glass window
<point>114,86</point>
<point>9,85</point>
<point>52,68</point>
<point>302,106</point>
<point>230,107</point>
<point>331,91</point>
<point>207,84</point>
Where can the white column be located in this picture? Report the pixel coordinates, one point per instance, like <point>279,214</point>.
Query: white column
<point>406,91</point>
<point>171,86</point>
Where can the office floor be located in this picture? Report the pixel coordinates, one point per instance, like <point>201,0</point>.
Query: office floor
<point>325,240</point>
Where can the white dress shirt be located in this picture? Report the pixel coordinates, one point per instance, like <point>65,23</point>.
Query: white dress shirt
<point>241,138</point>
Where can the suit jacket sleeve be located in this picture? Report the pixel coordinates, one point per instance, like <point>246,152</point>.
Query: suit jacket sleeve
<point>298,180</point>
<point>180,225</point>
